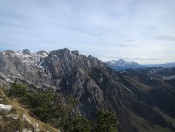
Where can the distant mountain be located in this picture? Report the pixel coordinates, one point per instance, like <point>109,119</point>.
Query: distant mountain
<point>166,65</point>
<point>121,64</point>
<point>142,100</point>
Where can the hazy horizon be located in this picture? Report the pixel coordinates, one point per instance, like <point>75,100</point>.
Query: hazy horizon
<point>133,30</point>
<point>116,59</point>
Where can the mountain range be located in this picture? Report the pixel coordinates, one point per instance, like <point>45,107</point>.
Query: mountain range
<point>166,65</point>
<point>120,65</point>
<point>142,99</point>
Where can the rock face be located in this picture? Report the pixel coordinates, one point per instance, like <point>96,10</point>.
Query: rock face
<point>90,81</point>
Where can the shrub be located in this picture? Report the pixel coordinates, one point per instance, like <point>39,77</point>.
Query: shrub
<point>106,122</point>
<point>19,91</point>
<point>50,107</point>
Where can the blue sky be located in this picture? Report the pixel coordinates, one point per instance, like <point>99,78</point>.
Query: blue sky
<point>135,30</point>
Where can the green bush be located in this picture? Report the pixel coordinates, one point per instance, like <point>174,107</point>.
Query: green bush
<point>77,123</point>
<point>50,107</point>
<point>18,91</point>
<point>106,122</point>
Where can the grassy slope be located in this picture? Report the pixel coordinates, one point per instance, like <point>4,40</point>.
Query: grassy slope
<point>10,124</point>
<point>144,126</point>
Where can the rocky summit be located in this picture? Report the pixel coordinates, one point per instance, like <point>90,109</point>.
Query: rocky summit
<point>140,101</point>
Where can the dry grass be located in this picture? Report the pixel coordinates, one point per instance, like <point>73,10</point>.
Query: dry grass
<point>21,110</point>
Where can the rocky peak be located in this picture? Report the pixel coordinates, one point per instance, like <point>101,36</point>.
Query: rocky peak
<point>9,52</point>
<point>42,53</point>
<point>64,60</point>
<point>26,52</point>
<point>75,52</point>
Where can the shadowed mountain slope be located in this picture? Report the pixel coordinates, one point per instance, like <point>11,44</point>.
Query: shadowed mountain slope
<point>136,101</point>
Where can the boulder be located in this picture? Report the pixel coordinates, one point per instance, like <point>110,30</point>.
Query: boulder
<point>5,107</point>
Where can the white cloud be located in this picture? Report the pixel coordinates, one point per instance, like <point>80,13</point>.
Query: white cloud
<point>104,28</point>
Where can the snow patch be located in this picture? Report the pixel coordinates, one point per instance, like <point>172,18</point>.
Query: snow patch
<point>32,59</point>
